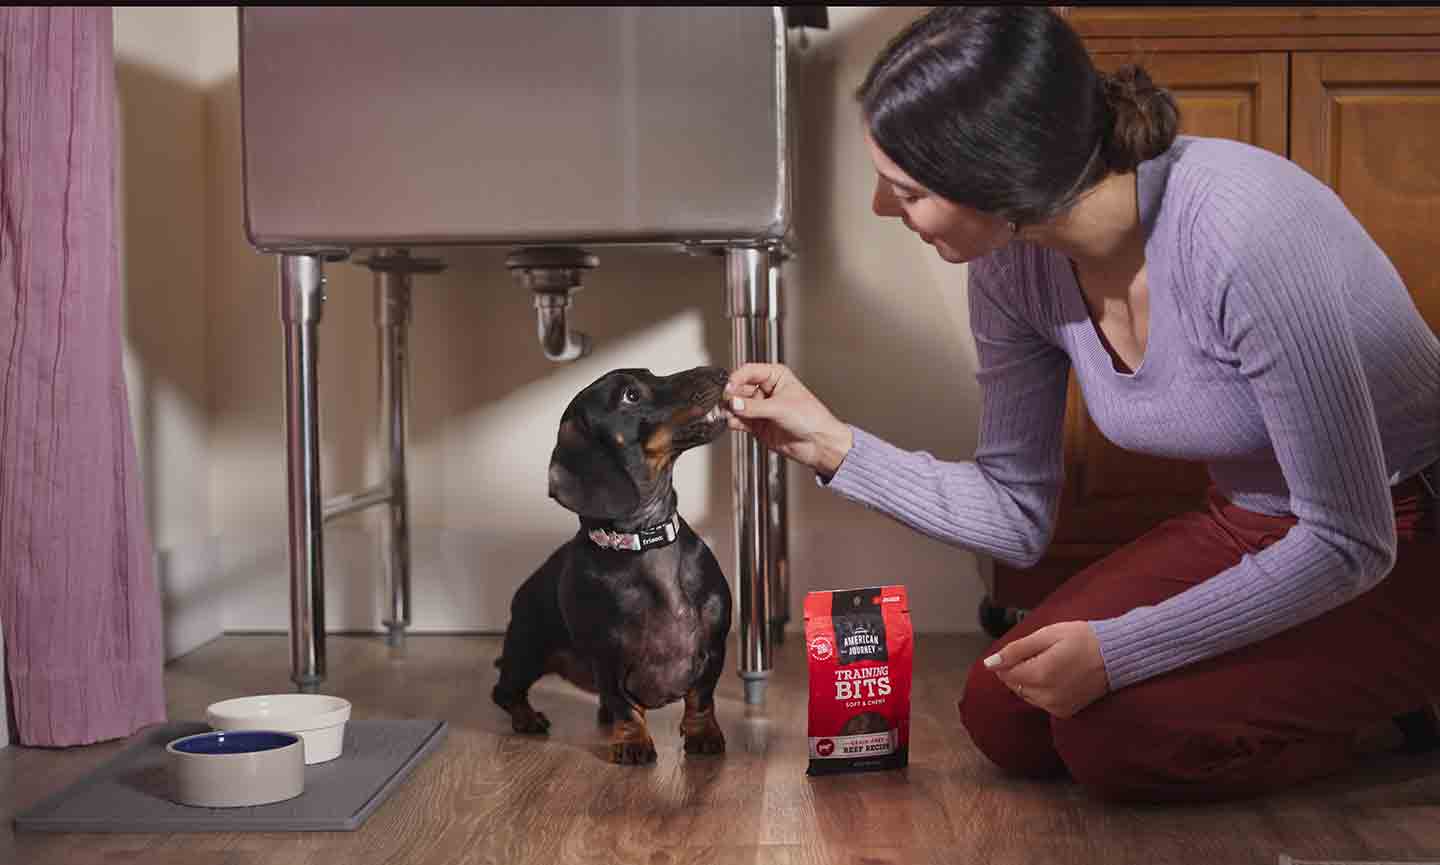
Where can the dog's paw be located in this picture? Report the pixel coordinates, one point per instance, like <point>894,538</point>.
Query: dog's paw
<point>701,731</point>
<point>709,742</point>
<point>526,720</point>
<point>632,753</point>
<point>631,745</point>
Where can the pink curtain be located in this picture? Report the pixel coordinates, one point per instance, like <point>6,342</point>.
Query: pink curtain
<point>78,599</point>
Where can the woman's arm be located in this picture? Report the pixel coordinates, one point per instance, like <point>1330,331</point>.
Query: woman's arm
<point>1003,503</point>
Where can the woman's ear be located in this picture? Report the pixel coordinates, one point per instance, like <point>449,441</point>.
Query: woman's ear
<point>586,478</point>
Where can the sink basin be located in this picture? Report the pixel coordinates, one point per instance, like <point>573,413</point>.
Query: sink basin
<point>379,126</point>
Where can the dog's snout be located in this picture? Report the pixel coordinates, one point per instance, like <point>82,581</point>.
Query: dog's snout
<point>719,376</point>
<point>702,386</point>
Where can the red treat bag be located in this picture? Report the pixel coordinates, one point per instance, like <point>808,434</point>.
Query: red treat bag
<point>860,646</point>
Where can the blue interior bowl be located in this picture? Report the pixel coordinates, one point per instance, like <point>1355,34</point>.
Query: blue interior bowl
<point>234,742</point>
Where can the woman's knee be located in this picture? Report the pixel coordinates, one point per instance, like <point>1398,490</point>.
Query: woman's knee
<point>1120,753</point>
<point>1011,733</point>
<point>1105,759</point>
<point>1119,748</point>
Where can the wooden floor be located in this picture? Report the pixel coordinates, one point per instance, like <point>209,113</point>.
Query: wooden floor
<point>489,796</point>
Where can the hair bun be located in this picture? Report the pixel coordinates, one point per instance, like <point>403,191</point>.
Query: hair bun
<point>1144,118</point>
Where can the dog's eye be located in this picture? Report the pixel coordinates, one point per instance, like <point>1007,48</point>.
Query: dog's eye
<point>630,395</point>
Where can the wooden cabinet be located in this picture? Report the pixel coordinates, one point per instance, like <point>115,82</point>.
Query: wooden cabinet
<point>1350,94</point>
<point>1368,125</point>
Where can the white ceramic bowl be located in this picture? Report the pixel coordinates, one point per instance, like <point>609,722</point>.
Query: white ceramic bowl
<point>236,769</point>
<point>318,718</point>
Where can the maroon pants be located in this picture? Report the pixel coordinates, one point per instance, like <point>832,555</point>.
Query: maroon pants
<point>1271,714</point>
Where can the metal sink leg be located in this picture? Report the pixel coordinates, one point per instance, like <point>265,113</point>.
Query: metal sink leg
<point>302,294</point>
<point>751,304</point>
<point>778,548</point>
<point>393,269</point>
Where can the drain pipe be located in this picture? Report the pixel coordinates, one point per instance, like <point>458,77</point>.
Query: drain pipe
<point>553,274</point>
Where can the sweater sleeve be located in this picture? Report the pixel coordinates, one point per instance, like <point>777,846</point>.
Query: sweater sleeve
<point>1274,277</point>
<point>1003,503</point>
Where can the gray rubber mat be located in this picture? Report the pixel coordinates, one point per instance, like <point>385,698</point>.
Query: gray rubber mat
<point>131,792</point>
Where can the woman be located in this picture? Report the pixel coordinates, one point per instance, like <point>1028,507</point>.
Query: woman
<point>1216,304</point>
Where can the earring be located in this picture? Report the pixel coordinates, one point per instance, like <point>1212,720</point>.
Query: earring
<point>1012,227</point>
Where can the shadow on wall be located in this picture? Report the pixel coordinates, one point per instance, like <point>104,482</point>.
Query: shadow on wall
<point>162,250</point>
<point>161,201</point>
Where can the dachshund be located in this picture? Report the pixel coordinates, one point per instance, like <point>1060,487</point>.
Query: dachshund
<point>633,607</point>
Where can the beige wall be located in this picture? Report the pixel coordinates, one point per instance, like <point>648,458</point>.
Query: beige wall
<point>876,326</point>
<point>167,59</point>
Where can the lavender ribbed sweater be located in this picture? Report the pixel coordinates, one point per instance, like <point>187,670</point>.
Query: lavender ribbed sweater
<point>1284,352</point>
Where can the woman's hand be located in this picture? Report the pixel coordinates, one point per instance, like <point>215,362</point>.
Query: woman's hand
<point>1058,668</point>
<point>770,403</point>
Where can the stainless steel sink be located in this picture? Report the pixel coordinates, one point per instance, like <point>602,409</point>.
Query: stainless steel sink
<point>405,126</point>
<point>546,129</point>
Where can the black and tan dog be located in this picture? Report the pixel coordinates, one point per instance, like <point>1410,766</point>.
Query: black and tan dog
<point>634,607</point>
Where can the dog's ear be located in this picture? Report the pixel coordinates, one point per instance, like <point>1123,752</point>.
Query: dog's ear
<point>586,477</point>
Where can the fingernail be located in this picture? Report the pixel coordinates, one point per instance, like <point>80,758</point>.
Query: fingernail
<point>993,661</point>
<point>738,404</point>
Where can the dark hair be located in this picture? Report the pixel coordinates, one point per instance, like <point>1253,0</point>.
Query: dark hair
<point>1001,109</point>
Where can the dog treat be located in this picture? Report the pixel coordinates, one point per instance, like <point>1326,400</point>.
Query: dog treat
<point>860,646</point>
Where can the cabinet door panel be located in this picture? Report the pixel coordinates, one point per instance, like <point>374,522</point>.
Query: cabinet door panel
<point>1368,126</point>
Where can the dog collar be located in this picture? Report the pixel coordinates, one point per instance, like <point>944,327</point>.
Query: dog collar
<point>645,539</point>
